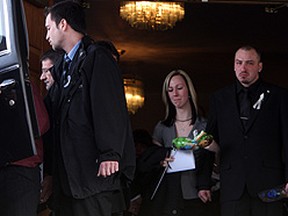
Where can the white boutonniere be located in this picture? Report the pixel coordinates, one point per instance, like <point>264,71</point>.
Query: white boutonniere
<point>259,102</point>
<point>68,81</point>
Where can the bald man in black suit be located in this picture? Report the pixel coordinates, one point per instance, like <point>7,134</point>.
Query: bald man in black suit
<point>252,136</point>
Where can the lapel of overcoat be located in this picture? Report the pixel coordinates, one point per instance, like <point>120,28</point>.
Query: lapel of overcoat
<point>75,83</point>
<point>232,102</point>
<point>255,111</point>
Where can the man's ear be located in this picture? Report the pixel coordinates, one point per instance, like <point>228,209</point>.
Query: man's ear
<point>260,67</point>
<point>63,24</point>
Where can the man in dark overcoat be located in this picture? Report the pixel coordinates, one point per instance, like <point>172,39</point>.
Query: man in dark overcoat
<point>93,139</point>
<point>249,121</point>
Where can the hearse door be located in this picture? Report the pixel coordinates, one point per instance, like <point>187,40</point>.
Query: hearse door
<point>18,125</point>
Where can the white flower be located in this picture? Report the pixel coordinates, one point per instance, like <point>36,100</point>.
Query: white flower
<point>258,103</point>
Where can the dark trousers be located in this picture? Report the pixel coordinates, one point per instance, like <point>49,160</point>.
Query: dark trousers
<point>251,206</point>
<point>118,203</point>
<point>19,191</point>
<point>98,205</point>
<point>169,201</point>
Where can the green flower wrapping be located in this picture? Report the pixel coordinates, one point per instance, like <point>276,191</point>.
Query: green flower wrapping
<point>185,143</point>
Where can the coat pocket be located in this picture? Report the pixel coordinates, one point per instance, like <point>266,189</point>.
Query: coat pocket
<point>225,166</point>
<point>272,164</point>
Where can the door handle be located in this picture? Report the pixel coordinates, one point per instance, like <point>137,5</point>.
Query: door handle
<point>8,83</point>
<point>10,93</point>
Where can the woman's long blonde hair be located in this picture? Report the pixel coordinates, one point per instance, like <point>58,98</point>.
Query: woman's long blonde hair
<point>170,108</point>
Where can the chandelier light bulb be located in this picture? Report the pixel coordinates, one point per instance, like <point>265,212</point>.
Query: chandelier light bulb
<point>151,15</point>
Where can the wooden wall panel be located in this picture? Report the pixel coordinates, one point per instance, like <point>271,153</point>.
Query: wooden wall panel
<point>37,44</point>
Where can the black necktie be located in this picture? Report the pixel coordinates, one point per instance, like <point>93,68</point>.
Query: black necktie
<point>245,105</point>
<point>65,73</point>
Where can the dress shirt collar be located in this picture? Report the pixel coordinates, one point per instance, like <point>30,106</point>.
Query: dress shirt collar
<point>252,89</point>
<point>73,51</point>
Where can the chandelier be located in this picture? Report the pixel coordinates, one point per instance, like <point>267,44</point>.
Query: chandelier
<point>152,15</point>
<point>134,93</point>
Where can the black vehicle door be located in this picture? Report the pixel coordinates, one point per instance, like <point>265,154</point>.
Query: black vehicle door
<point>18,125</point>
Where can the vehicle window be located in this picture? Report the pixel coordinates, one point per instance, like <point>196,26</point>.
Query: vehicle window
<point>4,29</point>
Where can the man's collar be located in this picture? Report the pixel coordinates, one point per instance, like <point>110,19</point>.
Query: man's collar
<point>73,51</point>
<point>251,88</point>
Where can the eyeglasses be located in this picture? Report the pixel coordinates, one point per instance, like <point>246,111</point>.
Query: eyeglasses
<point>46,70</point>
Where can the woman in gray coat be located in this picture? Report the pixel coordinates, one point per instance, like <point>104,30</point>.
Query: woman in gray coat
<point>178,192</point>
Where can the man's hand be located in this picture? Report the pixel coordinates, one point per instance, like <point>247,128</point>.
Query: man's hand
<point>214,147</point>
<point>108,168</point>
<point>46,189</point>
<point>205,195</point>
<point>286,188</point>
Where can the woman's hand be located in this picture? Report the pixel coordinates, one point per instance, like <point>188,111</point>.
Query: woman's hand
<point>166,161</point>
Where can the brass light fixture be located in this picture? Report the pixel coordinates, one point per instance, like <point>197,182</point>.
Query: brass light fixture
<point>152,15</point>
<point>134,93</point>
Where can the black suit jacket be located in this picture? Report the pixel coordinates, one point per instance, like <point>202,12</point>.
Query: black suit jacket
<point>255,158</point>
<point>91,121</point>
